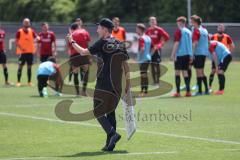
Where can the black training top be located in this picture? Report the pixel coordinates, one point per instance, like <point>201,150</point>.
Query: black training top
<point>110,53</point>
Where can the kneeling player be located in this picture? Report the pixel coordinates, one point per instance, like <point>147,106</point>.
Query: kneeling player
<point>45,70</point>
<point>182,55</point>
<point>222,58</point>
<point>144,57</point>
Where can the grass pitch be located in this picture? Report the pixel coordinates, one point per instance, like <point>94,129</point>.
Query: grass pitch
<point>210,130</point>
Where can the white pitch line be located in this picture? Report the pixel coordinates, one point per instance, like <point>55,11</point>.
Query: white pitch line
<point>112,154</point>
<point>232,149</point>
<point>140,131</point>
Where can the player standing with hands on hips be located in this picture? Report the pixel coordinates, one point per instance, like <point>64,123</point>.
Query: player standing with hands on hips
<point>106,49</point>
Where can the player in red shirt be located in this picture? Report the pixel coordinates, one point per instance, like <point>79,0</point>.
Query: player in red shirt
<point>3,57</point>
<point>224,38</point>
<point>159,37</point>
<point>47,43</point>
<point>82,38</point>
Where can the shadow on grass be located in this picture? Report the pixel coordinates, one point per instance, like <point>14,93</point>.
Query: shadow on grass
<point>97,153</point>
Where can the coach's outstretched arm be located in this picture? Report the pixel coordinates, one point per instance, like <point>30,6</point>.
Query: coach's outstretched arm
<point>79,49</point>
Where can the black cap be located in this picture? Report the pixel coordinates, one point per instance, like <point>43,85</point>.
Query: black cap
<point>74,26</point>
<point>106,22</point>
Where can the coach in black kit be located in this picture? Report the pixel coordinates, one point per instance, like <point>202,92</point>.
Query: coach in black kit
<point>112,60</point>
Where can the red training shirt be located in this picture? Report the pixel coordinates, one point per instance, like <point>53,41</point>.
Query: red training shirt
<point>46,41</point>
<point>156,34</point>
<point>2,37</point>
<point>177,35</point>
<point>82,38</point>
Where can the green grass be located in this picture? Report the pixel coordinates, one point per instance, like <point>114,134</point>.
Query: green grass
<point>29,127</point>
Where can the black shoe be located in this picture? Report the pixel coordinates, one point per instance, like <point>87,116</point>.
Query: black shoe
<point>113,140</point>
<point>106,145</point>
<point>105,148</point>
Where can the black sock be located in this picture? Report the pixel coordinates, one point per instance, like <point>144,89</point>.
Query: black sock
<point>84,87</point>
<point>221,79</point>
<point>146,85</point>
<point>190,74</point>
<point>85,80</point>
<point>70,75</point>
<point>187,83</point>
<point>146,89</point>
<point>178,81</point>
<point>204,79</point>
<point>19,75</point>
<point>29,74</point>
<point>199,83</point>
<point>5,71</point>
<point>211,78</point>
<point>76,82</point>
<point>142,84</point>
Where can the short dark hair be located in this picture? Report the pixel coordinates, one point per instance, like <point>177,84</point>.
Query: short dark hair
<point>141,26</point>
<point>74,26</point>
<point>52,59</point>
<point>196,19</point>
<point>182,19</point>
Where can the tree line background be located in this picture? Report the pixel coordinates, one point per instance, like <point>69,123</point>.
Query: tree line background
<point>64,11</point>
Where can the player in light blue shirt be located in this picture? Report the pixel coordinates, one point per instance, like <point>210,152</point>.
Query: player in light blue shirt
<point>45,70</point>
<point>221,57</point>
<point>200,50</point>
<point>182,55</point>
<point>144,57</point>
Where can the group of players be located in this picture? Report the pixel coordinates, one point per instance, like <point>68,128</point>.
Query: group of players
<point>191,48</point>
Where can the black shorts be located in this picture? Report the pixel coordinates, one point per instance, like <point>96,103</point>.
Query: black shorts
<point>182,63</point>
<point>26,58</point>
<point>199,61</point>
<point>144,66</point>
<point>224,64</point>
<point>76,60</point>
<point>44,58</point>
<point>156,57</point>
<point>104,102</point>
<point>3,58</point>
